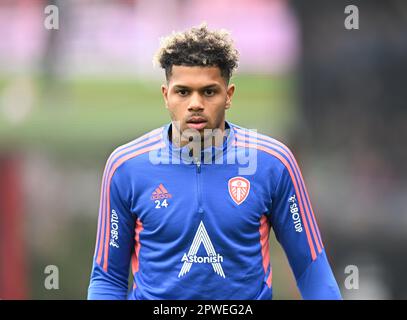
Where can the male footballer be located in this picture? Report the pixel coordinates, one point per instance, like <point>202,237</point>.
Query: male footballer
<point>188,207</point>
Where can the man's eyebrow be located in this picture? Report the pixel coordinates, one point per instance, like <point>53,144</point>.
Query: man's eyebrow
<point>209,86</point>
<point>180,86</point>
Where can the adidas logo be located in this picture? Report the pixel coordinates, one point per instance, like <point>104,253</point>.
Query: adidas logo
<point>161,193</point>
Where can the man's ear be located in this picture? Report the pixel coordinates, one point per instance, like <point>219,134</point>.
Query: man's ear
<point>164,91</point>
<point>229,94</point>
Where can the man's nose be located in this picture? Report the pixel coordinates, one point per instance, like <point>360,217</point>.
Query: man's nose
<point>196,103</point>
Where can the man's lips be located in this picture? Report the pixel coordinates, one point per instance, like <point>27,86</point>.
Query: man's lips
<point>196,119</point>
<point>197,123</point>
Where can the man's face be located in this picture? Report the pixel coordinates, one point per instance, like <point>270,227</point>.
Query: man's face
<point>197,97</point>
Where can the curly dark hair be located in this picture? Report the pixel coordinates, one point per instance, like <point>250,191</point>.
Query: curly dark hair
<point>199,46</point>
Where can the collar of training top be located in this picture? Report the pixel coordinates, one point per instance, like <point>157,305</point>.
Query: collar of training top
<point>208,155</point>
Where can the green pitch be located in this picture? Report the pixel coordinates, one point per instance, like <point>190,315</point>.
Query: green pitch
<point>87,115</point>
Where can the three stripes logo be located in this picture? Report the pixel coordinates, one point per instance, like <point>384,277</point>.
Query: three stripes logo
<point>202,237</point>
<point>160,193</point>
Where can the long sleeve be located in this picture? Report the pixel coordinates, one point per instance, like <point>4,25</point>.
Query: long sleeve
<point>296,229</point>
<point>115,239</point>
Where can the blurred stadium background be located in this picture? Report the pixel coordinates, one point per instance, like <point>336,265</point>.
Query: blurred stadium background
<point>68,97</point>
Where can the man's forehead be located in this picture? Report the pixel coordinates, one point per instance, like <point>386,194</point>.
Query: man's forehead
<point>195,75</point>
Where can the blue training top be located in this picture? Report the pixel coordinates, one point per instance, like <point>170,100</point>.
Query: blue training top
<point>199,228</point>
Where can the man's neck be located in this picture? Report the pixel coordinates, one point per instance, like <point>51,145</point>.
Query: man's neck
<point>209,138</point>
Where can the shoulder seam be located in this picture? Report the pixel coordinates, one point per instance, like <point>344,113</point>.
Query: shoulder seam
<point>260,135</point>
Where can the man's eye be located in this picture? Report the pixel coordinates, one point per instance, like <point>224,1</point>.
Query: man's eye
<point>209,92</point>
<point>182,93</point>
